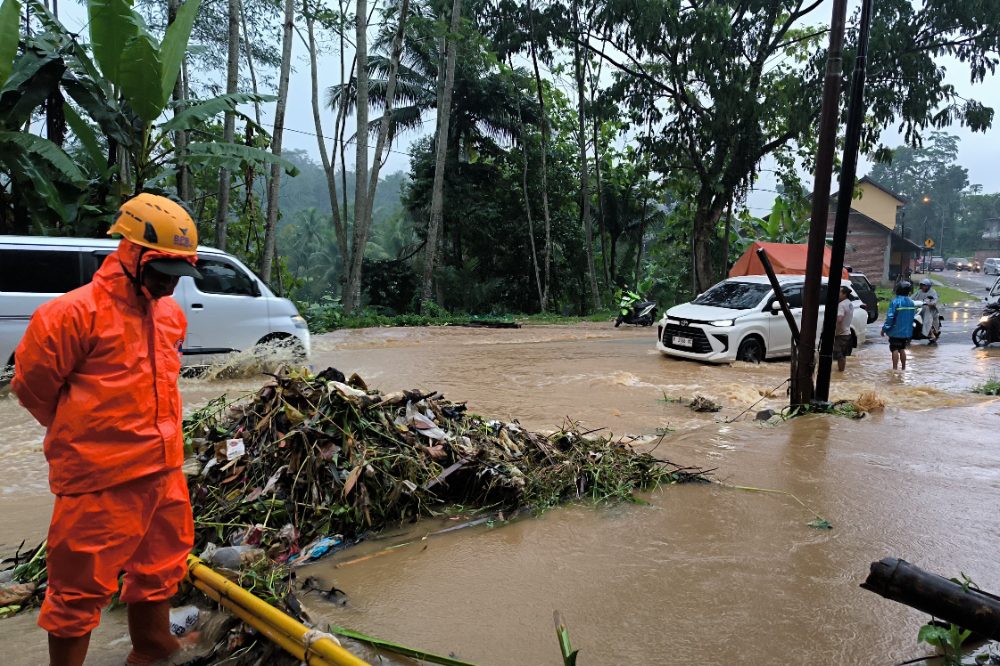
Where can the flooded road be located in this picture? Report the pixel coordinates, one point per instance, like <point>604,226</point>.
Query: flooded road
<point>705,574</point>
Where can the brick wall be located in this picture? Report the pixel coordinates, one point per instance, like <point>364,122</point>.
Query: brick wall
<point>870,242</point>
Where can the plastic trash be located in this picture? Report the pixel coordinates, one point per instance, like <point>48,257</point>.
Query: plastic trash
<point>183,619</point>
<point>232,557</point>
<point>316,550</point>
<point>234,449</point>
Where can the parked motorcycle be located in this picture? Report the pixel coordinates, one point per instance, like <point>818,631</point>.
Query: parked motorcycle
<point>989,326</point>
<point>636,311</point>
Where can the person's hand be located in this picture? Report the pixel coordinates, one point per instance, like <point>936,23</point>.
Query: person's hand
<point>883,332</point>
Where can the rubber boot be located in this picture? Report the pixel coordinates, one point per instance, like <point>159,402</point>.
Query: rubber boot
<point>68,651</point>
<point>149,628</point>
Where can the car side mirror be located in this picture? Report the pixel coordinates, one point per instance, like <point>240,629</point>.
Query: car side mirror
<point>776,307</point>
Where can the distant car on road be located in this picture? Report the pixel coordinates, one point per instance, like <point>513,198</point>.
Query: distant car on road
<point>739,319</point>
<point>958,264</point>
<point>930,264</point>
<point>866,292</point>
<point>991,266</point>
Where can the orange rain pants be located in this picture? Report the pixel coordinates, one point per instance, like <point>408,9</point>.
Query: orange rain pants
<point>98,368</point>
<point>142,527</point>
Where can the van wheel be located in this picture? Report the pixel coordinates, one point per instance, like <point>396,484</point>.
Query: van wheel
<point>7,372</point>
<point>283,342</point>
<point>751,351</point>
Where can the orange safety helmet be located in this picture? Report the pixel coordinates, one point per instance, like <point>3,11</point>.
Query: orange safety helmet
<point>157,223</point>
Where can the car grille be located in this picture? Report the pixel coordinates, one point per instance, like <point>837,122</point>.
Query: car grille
<point>701,344</point>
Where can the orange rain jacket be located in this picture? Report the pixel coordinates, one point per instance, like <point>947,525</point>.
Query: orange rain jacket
<point>98,368</point>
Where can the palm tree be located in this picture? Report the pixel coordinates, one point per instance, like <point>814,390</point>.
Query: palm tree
<point>628,212</point>
<point>484,105</point>
<point>310,245</point>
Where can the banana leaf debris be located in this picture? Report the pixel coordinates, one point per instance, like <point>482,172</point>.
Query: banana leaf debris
<point>312,463</point>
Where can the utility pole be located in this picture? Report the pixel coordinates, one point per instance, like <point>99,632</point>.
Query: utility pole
<point>852,145</point>
<point>804,359</point>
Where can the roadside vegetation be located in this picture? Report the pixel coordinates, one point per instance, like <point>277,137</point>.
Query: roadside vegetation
<point>948,295</point>
<point>326,318</point>
<point>990,387</point>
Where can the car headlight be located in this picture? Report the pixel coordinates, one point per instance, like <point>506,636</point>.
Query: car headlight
<point>983,320</point>
<point>722,323</point>
<point>299,321</point>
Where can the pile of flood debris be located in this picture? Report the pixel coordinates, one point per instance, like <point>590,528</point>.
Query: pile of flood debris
<point>313,462</point>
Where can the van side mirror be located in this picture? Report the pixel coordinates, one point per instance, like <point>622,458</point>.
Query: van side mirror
<point>775,307</point>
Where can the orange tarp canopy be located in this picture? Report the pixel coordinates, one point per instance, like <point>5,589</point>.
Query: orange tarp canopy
<point>786,258</point>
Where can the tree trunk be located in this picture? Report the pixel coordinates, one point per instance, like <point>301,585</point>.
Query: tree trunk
<point>55,118</point>
<point>271,228</point>
<point>584,171</point>
<point>229,129</point>
<point>363,205</point>
<point>725,241</point>
<point>638,252</point>
<point>329,168</point>
<point>444,118</point>
<point>180,137</point>
<point>545,149</point>
<point>253,72</point>
<point>352,294</point>
<point>527,201</point>
<point>706,221</point>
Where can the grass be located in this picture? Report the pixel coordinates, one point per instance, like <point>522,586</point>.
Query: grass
<point>325,318</point>
<point>946,294</point>
<point>990,387</point>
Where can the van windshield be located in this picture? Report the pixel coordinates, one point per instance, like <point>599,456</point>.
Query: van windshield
<point>734,295</point>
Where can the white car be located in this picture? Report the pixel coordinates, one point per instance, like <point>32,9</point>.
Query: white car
<point>740,320</point>
<point>991,266</point>
<point>228,310</point>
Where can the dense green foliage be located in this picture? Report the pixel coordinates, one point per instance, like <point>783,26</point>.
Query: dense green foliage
<point>671,110</point>
<point>939,196</point>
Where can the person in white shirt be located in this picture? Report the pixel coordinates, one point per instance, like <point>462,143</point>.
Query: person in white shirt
<point>845,315</point>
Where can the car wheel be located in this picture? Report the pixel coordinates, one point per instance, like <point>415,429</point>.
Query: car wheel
<point>751,351</point>
<point>282,343</point>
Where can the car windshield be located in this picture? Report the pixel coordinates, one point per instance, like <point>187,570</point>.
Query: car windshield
<point>734,295</point>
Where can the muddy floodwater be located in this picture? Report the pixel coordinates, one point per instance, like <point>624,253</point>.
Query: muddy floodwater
<point>704,574</point>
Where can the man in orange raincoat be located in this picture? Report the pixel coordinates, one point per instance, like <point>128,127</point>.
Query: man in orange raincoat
<point>98,368</point>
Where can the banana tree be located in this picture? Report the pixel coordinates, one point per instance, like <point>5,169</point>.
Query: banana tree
<point>123,91</point>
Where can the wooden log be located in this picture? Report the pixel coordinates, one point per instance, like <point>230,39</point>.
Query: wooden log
<point>905,583</point>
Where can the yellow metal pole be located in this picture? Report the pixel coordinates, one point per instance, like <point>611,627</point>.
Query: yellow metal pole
<point>277,626</point>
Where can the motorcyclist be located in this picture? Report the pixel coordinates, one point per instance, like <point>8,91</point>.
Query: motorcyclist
<point>927,300</point>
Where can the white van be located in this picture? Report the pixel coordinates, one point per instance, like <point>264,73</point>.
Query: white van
<point>228,310</point>
<point>739,319</point>
<point>991,266</point>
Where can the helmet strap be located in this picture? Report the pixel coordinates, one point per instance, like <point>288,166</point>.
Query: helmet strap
<point>136,279</point>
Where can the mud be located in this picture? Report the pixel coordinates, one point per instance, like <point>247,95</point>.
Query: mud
<point>705,574</point>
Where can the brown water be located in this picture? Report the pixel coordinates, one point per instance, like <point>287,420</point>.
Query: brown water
<point>705,574</point>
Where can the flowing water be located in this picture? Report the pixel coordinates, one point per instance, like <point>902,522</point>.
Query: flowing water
<point>704,574</point>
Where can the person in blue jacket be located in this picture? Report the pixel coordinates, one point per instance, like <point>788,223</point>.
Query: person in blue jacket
<point>899,324</point>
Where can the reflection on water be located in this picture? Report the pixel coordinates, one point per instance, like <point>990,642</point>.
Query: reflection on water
<point>705,574</point>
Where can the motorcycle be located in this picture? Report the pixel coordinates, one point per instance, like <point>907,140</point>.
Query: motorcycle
<point>918,322</point>
<point>989,326</point>
<point>634,310</point>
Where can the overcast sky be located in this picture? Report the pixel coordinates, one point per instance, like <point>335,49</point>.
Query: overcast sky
<point>978,152</point>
